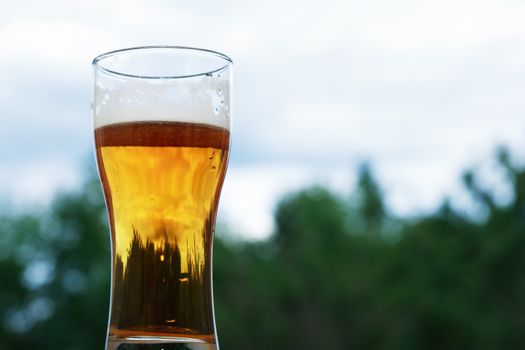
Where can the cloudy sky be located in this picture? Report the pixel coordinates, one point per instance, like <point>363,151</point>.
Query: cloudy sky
<point>422,89</point>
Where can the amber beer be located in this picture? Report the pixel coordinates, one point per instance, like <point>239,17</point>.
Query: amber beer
<point>162,131</point>
<point>162,182</point>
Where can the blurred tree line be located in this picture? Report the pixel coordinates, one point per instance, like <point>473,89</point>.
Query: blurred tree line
<point>338,273</point>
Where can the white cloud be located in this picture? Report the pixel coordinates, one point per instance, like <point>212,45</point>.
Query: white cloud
<point>422,88</point>
<point>38,181</point>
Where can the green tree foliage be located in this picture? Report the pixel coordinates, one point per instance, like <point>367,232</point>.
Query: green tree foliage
<point>371,208</point>
<point>54,273</point>
<point>332,276</point>
<point>337,273</point>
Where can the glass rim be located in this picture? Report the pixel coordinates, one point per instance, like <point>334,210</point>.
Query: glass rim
<point>97,60</point>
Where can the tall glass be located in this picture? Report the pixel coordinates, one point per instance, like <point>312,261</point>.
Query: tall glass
<point>162,121</point>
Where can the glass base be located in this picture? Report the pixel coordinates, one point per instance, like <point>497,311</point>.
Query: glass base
<point>159,343</point>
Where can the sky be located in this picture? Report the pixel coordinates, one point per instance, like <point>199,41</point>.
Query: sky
<point>421,89</point>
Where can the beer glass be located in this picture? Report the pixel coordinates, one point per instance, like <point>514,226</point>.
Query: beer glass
<point>161,124</point>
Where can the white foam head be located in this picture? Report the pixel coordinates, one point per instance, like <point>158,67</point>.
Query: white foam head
<point>139,89</point>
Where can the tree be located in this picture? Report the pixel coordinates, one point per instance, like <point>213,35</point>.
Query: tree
<point>321,281</point>
<point>58,272</point>
<point>371,208</point>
